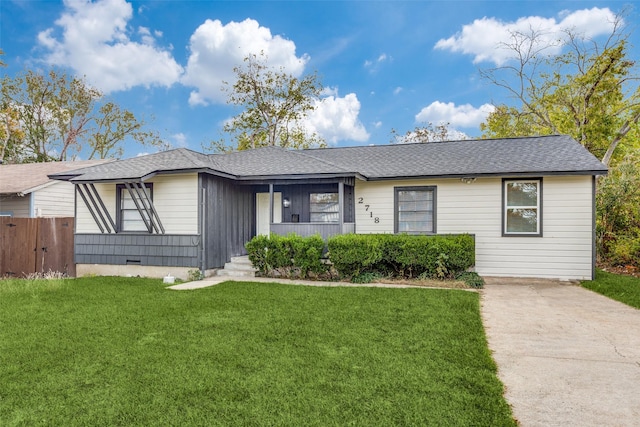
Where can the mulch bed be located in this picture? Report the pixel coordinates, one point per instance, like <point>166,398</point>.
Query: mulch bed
<point>627,270</point>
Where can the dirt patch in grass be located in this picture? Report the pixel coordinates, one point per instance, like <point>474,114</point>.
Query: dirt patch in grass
<point>627,270</point>
<point>427,283</point>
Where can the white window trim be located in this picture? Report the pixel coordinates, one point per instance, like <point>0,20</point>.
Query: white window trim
<point>537,207</point>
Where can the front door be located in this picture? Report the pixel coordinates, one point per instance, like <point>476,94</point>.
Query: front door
<point>262,212</point>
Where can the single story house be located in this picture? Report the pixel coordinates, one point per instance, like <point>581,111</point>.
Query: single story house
<point>528,201</point>
<point>26,191</point>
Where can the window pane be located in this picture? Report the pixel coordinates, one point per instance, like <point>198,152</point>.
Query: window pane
<point>415,211</point>
<point>414,195</point>
<point>324,217</point>
<point>522,194</point>
<point>130,218</point>
<point>324,197</point>
<point>324,207</point>
<point>522,220</point>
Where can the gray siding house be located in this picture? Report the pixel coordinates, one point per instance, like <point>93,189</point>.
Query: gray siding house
<point>528,201</point>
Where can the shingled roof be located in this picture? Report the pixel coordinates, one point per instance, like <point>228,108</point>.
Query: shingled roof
<point>26,178</point>
<point>543,155</point>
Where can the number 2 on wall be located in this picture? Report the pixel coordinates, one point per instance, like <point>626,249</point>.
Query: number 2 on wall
<point>366,209</point>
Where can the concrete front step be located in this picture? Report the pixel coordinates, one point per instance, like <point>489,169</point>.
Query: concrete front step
<point>238,267</point>
<point>235,273</point>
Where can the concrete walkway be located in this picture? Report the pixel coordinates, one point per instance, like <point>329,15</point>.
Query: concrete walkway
<point>567,356</point>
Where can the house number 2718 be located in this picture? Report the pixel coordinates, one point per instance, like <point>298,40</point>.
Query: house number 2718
<point>367,208</point>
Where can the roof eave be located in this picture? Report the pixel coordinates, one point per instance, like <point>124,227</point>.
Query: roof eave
<point>78,179</point>
<point>492,175</point>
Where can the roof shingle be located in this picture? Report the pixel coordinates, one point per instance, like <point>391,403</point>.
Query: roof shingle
<point>554,154</point>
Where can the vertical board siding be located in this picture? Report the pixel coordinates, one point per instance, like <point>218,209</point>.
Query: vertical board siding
<point>564,251</point>
<point>229,219</point>
<point>298,194</point>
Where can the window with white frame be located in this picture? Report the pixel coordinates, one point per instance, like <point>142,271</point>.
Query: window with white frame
<point>415,210</point>
<point>324,207</point>
<point>130,217</point>
<point>522,213</point>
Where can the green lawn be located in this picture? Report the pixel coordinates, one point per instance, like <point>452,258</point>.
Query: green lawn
<point>621,288</point>
<point>126,351</point>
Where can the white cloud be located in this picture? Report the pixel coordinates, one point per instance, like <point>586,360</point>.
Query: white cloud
<point>484,37</point>
<point>336,119</point>
<point>465,116</point>
<point>216,49</point>
<point>374,65</point>
<point>397,90</point>
<point>180,140</point>
<point>94,41</point>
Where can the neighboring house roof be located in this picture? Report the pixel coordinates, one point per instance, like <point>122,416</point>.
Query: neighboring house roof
<point>26,178</point>
<point>526,156</point>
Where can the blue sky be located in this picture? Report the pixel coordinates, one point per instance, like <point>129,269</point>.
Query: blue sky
<point>384,64</point>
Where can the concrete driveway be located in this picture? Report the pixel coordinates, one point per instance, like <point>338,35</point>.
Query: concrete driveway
<point>567,356</point>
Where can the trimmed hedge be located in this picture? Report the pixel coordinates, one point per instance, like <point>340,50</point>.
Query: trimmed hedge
<point>287,256</point>
<point>402,255</point>
<point>363,255</point>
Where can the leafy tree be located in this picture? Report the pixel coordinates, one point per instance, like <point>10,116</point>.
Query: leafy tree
<point>60,116</point>
<point>589,92</point>
<point>275,103</point>
<point>428,133</point>
<point>618,205</point>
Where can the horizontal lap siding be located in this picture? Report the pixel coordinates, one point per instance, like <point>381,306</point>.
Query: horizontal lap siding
<point>175,198</point>
<point>54,200</point>
<point>84,220</point>
<point>564,251</point>
<point>16,205</point>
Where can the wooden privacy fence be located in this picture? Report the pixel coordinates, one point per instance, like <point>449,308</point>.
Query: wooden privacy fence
<point>36,245</point>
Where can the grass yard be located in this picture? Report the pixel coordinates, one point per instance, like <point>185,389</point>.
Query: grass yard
<point>126,351</point>
<point>625,289</point>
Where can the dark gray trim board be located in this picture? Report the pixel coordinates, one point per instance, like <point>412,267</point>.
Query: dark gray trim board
<point>593,228</point>
<point>432,188</point>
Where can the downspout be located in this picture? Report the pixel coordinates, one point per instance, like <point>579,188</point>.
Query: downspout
<point>341,206</point>
<point>201,219</point>
<point>32,205</point>
<point>270,207</point>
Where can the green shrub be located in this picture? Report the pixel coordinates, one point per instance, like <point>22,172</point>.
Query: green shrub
<point>287,256</point>
<point>259,249</point>
<point>401,255</point>
<point>625,250</point>
<point>307,254</point>
<point>472,279</point>
<point>194,275</point>
<point>351,254</point>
